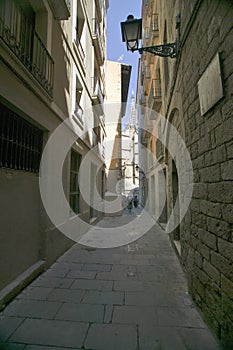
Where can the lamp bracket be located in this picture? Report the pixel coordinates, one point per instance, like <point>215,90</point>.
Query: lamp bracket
<point>166,50</point>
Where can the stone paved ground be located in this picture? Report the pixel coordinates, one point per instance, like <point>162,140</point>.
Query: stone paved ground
<point>129,298</point>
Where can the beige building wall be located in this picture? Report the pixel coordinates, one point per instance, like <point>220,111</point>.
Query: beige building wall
<point>44,98</point>
<point>117,83</point>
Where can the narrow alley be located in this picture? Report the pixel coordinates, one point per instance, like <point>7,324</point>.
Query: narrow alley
<point>129,298</point>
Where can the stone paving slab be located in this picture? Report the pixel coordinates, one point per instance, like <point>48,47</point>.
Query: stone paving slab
<point>114,337</point>
<point>35,293</point>
<point>99,285</point>
<point>13,346</point>
<point>133,297</point>
<point>33,308</point>
<point>8,326</point>
<point>81,312</point>
<point>96,297</point>
<point>51,332</point>
<point>175,338</point>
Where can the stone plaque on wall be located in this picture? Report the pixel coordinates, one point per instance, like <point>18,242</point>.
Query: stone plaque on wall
<point>210,88</point>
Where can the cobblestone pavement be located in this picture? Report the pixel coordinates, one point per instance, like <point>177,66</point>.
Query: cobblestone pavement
<point>129,298</point>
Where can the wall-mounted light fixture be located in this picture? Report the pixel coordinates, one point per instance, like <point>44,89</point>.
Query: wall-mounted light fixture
<point>131,31</point>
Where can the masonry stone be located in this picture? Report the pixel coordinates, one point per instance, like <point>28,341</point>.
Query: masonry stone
<point>227,213</point>
<point>224,132</point>
<point>227,170</point>
<point>229,147</point>
<point>225,248</point>
<point>227,286</point>
<point>208,238</point>
<point>211,271</point>
<point>221,263</point>
<point>221,192</point>
<point>220,228</point>
<point>211,209</point>
<point>210,174</point>
<point>200,191</point>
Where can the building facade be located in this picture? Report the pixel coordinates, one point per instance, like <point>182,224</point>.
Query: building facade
<point>117,86</point>
<point>193,94</point>
<point>130,155</point>
<point>52,69</point>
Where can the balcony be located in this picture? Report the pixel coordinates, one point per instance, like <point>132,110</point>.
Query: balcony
<point>155,24</point>
<point>78,112</point>
<point>148,72</point>
<point>97,41</point>
<point>61,9</point>
<point>142,99</point>
<point>19,35</point>
<point>79,46</point>
<point>98,6</point>
<point>157,94</point>
<point>159,149</point>
<point>97,94</point>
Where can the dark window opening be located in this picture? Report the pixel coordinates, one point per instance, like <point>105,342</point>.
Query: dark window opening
<point>20,142</point>
<point>75,162</point>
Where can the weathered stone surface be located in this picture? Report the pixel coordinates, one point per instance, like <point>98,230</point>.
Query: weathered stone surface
<point>227,170</point>
<point>216,156</point>
<point>208,239</point>
<point>225,248</point>
<point>227,306</point>
<point>211,209</point>
<point>229,147</point>
<point>203,250</point>
<point>227,286</point>
<point>211,271</point>
<point>227,213</point>
<point>219,228</point>
<point>210,174</point>
<point>200,191</point>
<point>221,192</point>
<point>223,264</point>
<point>224,132</point>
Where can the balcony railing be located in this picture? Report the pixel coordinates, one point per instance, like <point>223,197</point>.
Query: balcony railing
<point>156,88</point>
<point>142,99</point>
<point>78,112</point>
<point>79,45</point>
<point>98,4</point>
<point>97,41</point>
<point>148,72</point>
<point>155,23</point>
<point>19,35</point>
<point>68,4</point>
<point>159,149</point>
<point>97,93</point>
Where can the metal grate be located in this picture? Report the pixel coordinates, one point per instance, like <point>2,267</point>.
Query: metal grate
<point>20,142</point>
<point>17,30</point>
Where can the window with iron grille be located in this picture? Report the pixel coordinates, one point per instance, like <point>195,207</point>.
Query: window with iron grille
<point>20,142</point>
<point>75,162</point>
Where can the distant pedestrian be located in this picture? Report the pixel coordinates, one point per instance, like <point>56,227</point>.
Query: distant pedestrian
<point>135,200</point>
<point>130,205</point>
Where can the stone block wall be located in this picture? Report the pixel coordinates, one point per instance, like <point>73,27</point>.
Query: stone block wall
<point>207,230</point>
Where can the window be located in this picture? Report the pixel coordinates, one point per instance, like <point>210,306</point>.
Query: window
<point>20,142</point>
<point>78,109</point>
<point>75,162</point>
<point>18,22</point>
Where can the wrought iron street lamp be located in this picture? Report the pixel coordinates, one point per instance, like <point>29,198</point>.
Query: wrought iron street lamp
<point>131,31</point>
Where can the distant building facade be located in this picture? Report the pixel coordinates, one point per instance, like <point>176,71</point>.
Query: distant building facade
<point>117,86</point>
<point>193,92</point>
<point>130,155</point>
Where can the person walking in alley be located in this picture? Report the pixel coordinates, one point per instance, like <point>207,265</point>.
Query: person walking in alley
<point>130,204</point>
